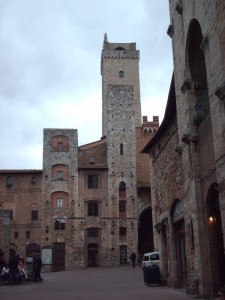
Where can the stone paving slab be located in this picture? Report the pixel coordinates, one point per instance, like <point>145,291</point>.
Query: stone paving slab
<point>119,283</point>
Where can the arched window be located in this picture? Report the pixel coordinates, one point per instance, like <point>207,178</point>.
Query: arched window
<point>121,148</point>
<point>9,181</point>
<point>122,189</point>
<point>178,212</point>
<point>121,74</point>
<point>60,143</point>
<point>60,172</point>
<point>59,199</point>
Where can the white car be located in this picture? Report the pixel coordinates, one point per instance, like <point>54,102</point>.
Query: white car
<point>150,259</point>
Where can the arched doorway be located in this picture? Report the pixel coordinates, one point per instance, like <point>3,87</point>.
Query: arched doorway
<point>92,255</point>
<point>215,236</point>
<point>145,232</point>
<point>32,250</point>
<point>12,253</point>
<point>177,215</point>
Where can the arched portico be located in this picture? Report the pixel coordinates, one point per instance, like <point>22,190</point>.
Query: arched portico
<point>145,232</point>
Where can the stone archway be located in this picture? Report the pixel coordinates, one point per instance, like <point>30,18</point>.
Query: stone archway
<point>145,232</point>
<point>92,255</point>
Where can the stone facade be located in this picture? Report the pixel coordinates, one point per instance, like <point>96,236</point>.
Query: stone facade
<point>93,199</point>
<point>189,208</point>
<point>20,209</point>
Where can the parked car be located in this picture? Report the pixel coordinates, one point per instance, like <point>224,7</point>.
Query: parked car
<point>150,259</point>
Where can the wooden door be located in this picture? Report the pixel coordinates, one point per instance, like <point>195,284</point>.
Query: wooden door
<point>59,257</point>
<point>181,255</point>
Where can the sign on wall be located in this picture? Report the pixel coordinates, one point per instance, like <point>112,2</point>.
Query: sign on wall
<point>46,256</point>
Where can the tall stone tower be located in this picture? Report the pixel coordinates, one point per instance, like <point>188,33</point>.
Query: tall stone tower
<point>60,199</point>
<point>121,115</point>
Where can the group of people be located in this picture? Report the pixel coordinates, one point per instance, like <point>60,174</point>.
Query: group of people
<point>15,272</point>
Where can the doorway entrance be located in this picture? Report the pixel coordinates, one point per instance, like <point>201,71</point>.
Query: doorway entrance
<point>92,255</point>
<point>181,253</point>
<point>180,242</point>
<point>59,257</point>
<point>145,232</point>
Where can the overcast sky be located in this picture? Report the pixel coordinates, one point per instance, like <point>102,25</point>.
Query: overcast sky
<point>50,53</point>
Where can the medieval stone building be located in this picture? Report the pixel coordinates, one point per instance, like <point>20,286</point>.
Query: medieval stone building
<point>90,205</point>
<point>188,152</point>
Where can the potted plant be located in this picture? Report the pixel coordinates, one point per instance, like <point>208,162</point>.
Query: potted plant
<point>222,293</point>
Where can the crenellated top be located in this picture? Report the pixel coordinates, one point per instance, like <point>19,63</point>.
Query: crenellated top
<point>121,53</point>
<point>119,50</point>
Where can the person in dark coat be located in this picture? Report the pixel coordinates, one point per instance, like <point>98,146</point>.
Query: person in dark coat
<point>13,270</point>
<point>37,264</point>
<point>133,259</point>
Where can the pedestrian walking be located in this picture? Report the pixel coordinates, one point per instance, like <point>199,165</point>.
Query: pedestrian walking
<point>37,264</point>
<point>133,259</point>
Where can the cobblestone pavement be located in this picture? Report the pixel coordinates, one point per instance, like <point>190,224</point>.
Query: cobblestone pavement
<point>119,283</point>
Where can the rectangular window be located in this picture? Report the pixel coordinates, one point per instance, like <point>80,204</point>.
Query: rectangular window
<point>122,206</point>
<point>123,231</point>
<point>60,147</point>
<point>59,202</point>
<point>93,209</point>
<point>34,215</point>
<point>16,234</point>
<point>33,180</point>
<point>92,160</point>
<point>27,234</point>
<point>60,175</point>
<point>121,148</point>
<point>122,209</point>
<point>92,181</point>
<point>59,224</point>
